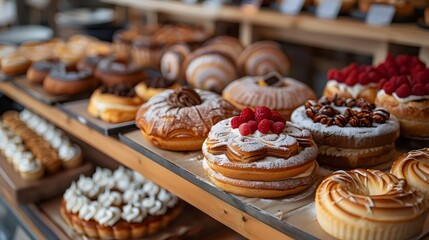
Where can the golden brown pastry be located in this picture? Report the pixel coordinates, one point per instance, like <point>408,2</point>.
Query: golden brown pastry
<point>113,71</point>
<point>39,70</point>
<point>14,64</point>
<point>154,85</point>
<point>62,82</point>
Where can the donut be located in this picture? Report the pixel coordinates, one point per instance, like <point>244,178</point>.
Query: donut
<point>89,63</point>
<point>369,204</point>
<point>154,85</point>
<point>350,133</point>
<point>353,81</point>
<point>62,82</point>
<point>172,62</point>
<point>6,49</point>
<point>39,70</point>
<point>69,55</point>
<point>280,93</point>
<point>14,64</point>
<point>209,69</point>
<point>113,71</point>
<point>261,58</point>
<point>147,52</point>
<point>259,163</point>
<point>180,120</point>
<point>114,104</point>
<point>414,167</point>
<point>232,45</point>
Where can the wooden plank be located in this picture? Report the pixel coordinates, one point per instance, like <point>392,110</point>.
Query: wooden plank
<point>241,222</point>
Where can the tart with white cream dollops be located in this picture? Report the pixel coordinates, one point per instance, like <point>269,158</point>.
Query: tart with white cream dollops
<point>282,94</point>
<point>99,210</point>
<point>350,133</point>
<point>369,204</point>
<point>114,104</point>
<point>414,167</point>
<point>250,156</point>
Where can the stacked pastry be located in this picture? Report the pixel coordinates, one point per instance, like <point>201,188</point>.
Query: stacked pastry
<point>258,154</point>
<point>35,146</point>
<point>118,205</point>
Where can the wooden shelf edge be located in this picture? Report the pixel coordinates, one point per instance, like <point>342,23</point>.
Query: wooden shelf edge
<point>239,221</point>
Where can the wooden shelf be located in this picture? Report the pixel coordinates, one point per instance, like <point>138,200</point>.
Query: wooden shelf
<point>343,33</point>
<point>243,223</point>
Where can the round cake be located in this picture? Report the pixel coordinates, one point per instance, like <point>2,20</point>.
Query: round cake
<point>118,205</point>
<point>280,93</point>
<point>180,120</point>
<point>350,133</point>
<point>369,204</point>
<point>249,156</point>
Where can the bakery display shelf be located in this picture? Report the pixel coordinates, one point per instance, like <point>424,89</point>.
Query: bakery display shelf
<point>401,33</point>
<point>78,110</point>
<point>40,94</point>
<point>236,219</point>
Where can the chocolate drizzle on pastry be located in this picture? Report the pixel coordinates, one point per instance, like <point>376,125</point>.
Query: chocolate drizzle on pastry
<point>119,90</point>
<point>323,111</point>
<point>117,66</point>
<point>158,82</point>
<point>60,72</point>
<point>46,65</point>
<point>184,97</point>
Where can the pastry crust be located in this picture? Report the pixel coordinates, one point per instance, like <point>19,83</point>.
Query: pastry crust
<point>146,92</point>
<point>14,64</point>
<point>57,86</point>
<point>368,93</point>
<point>113,72</point>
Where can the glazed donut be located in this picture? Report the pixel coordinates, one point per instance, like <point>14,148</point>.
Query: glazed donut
<point>369,204</point>
<point>209,70</point>
<point>180,120</point>
<point>117,72</point>
<point>281,94</point>
<point>350,133</point>
<point>89,63</point>
<point>14,64</point>
<point>231,45</point>
<point>152,86</point>
<point>257,164</point>
<point>414,167</point>
<point>114,104</point>
<point>39,70</point>
<point>62,82</point>
<point>172,62</point>
<point>6,49</point>
<point>261,58</point>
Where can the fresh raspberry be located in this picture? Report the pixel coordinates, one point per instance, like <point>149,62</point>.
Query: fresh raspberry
<point>245,129</point>
<point>262,113</point>
<point>416,61</point>
<point>264,126</point>
<point>332,73</point>
<point>237,121</point>
<point>389,87</point>
<point>247,114</point>
<point>363,78</point>
<point>418,67</point>
<point>374,76</point>
<point>277,127</point>
<point>422,77</point>
<point>401,80</point>
<point>403,91</point>
<point>418,89</point>
<point>427,88</point>
<point>404,70</point>
<point>277,117</point>
<point>253,125</point>
<point>352,68</point>
<point>351,80</point>
<point>392,71</point>
<point>389,58</point>
<point>365,68</point>
<point>381,83</point>
<point>338,76</point>
<point>403,60</point>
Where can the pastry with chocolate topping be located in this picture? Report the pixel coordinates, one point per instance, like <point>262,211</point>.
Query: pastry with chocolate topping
<point>154,85</point>
<point>39,70</point>
<point>180,119</point>
<point>351,133</point>
<point>114,104</point>
<point>113,71</point>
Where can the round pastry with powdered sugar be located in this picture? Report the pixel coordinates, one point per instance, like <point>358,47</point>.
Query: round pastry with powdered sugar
<point>118,205</point>
<point>180,119</point>
<point>279,93</point>
<point>350,133</point>
<point>250,156</point>
<point>369,204</point>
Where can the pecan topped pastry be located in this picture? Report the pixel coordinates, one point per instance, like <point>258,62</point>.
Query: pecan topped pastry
<point>350,132</point>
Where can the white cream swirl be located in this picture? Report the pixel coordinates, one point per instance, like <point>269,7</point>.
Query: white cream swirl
<point>138,178</point>
<point>109,198</point>
<point>153,206</point>
<point>132,213</point>
<point>59,140</point>
<point>132,196</point>
<point>30,165</point>
<point>34,122</point>
<point>76,202</point>
<point>167,198</point>
<point>22,156</point>
<point>67,152</point>
<point>42,127</point>
<point>88,211</point>
<point>72,191</point>
<point>121,173</point>
<point>25,115</point>
<point>150,188</point>
<point>108,216</point>
<point>88,186</point>
<point>12,148</point>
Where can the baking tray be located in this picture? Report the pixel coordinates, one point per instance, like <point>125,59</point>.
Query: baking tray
<point>37,91</point>
<point>294,215</point>
<point>23,191</point>
<point>78,110</point>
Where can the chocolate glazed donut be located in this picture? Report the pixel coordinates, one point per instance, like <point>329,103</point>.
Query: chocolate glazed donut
<point>63,82</point>
<point>39,70</point>
<point>118,72</point>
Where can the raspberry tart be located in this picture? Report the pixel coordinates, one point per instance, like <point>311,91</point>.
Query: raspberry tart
<point>258,154</point>
<point>118,205</point>
<point>350,133</point>
<point>406,95</point>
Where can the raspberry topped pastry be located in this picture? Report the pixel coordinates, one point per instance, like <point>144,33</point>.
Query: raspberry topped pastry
<point>118,205</point>
<point>406,95</point>
<point>350,133</point>
<point>258,154</point>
